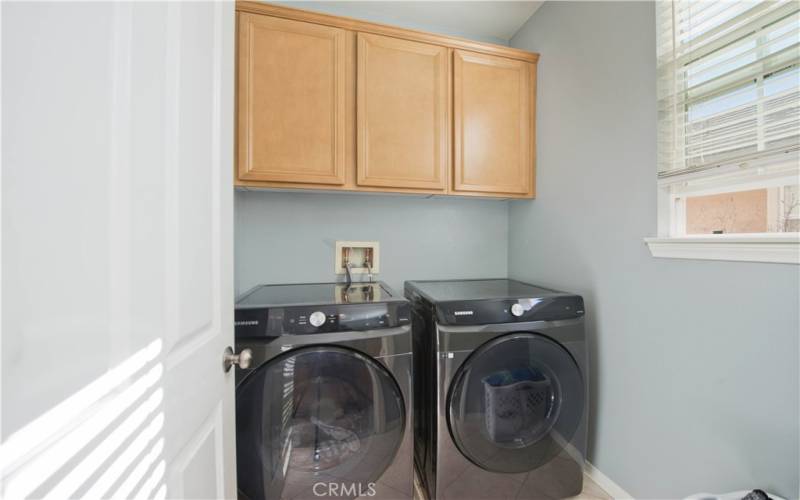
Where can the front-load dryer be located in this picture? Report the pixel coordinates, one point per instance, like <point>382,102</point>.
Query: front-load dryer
<point>325,409</point>
<point>501,389</point>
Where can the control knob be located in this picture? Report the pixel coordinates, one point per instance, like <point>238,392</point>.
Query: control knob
<point>517,310</point>
<point>317,319</point>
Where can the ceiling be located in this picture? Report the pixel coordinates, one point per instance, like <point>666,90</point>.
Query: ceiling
<point>492,21</point>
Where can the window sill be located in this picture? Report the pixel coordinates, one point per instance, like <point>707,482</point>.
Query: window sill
<point>776,248</point>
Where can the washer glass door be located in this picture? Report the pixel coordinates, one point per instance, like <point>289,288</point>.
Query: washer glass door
<point>316,421</point>
<point>515,402</point>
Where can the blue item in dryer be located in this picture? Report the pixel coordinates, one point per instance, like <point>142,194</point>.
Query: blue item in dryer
<point>515,399</point>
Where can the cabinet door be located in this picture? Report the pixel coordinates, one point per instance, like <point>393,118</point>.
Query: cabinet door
<point>292,98</point>
<point>493,101</point>
<point>402,113</point>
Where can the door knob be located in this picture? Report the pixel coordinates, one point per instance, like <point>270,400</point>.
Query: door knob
<point>243,359</point>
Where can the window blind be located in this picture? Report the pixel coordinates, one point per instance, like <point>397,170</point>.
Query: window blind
<point>728,83</point>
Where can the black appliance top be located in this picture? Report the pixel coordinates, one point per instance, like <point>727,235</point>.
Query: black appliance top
<point>275,310</point>
<point>316,293</point>
<point>490,301</point>
<point>450,290</point>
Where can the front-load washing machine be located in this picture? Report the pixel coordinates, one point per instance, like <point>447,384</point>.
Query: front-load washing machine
<point>500,388</point>
<point>324,411</point>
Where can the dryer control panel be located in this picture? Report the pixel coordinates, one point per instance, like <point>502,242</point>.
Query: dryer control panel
<point>484,312</point>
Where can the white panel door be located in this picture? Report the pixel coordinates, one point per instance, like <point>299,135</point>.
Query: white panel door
<point>117,296</point>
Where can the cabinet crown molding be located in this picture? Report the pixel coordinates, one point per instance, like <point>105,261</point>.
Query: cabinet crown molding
<point>333,103</point>
<point>383,29</point>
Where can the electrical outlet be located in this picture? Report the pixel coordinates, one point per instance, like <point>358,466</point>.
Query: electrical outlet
<point>362,255</point>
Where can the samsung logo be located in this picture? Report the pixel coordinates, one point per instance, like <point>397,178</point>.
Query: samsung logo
<point>249,322</point>
<point>463,313</point>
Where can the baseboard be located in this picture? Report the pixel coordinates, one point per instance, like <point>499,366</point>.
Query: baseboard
<point>606,483</point>
<point>590,470</point>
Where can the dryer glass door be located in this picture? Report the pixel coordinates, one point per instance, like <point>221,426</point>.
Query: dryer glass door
<point>317,421</point>
<point>515,403</point>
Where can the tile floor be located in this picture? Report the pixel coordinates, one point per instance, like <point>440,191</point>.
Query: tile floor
<point>592,491</point>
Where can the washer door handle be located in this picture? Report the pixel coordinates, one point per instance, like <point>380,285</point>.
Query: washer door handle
<point>242,359</point>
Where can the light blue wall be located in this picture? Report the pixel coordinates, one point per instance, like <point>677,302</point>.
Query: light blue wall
<point>375,12</point>
<point>286,237</point>
<point>695,364</point>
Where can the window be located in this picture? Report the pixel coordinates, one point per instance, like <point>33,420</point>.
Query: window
<point>729,126</point>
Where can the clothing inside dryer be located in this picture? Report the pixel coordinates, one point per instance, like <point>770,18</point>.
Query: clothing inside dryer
<point>317,415</point>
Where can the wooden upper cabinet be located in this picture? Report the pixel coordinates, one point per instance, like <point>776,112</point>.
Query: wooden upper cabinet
<point>493,108</point>
<point>402,110</point>
<point>334,103</point>
<point>292,97</point>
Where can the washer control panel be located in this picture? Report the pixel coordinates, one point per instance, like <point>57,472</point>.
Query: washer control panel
<point>304,320</point>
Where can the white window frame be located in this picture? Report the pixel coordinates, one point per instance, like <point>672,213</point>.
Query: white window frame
<point>673,242</point>
<point>778,248</point>
<point>756,173</point>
